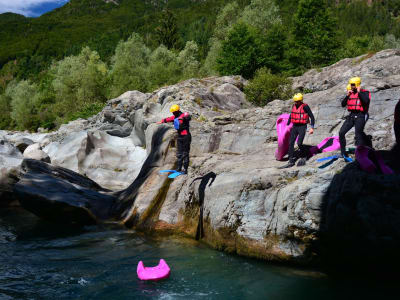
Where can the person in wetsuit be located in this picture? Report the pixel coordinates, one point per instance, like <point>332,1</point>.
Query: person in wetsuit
<point>181,123</point>
<point>300,116</point>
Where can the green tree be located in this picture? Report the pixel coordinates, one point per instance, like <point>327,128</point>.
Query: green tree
<point>265,87</point>
<point>167,31</point>
<point>129,66</point>
<point>314,34</point>
<point>273,48</point>
<point>6,122</point>
<point>241,53</point>
<point>23,96</point>
<point>188,60</point>
<point>223,24</point>
<point>261,14</point>
<point>163,67</point>
<point>78,81</point>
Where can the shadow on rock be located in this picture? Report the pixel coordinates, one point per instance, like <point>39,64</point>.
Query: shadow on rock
<point>60,195</point>
<point>202,187</point>
<point>360,222</point>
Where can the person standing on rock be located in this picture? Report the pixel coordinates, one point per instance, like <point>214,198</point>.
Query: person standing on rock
<point>181,123</point>
<point>300,116</point>
<point>357,101</point>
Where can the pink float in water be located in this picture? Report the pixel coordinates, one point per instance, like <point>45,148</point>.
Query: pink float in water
<point>327,145</point>
<point>158,272</point>
<point>371,161</point>
<point>283,132</point>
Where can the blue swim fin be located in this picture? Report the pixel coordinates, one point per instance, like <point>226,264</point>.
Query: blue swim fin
<point>174,175</point>
<point>167,171</point>
<point>327,158</point>
<point>348,159</point>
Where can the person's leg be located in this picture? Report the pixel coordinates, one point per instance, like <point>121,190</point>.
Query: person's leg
<point>292,140</point>
<point>347,125</point>
<point>302,133</point>
<point>185,153</point>
<point>179,153</point>
<point>359,124</point>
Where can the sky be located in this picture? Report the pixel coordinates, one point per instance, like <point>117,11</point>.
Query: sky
<point>30,8</point>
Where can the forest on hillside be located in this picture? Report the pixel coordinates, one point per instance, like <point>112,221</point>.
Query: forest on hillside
<point>67,63</point>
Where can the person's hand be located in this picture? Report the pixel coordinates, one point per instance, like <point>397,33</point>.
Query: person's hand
<point>160,122</point>
<point>311,131</point>
<point>348,93</point>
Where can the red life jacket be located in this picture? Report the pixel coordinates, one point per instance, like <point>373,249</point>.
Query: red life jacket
<point>354,102</point>
<point>298,115</point>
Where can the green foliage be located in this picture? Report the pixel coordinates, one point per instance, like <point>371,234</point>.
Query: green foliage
<point>163,67</point>
<point>314,35</point>
<point>188,60</point>
<point>167,31</point>
<point>55,68</point>
<point>265,87</point>
<point>128,70</point>
<point>240,53</point>
<point>23,96</point>
<point>6,121</point>
<point>78,81</point>
<point>86,111</point>
<point>261,14</point>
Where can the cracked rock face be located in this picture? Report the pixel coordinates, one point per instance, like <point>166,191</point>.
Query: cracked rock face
<point>252,208</point>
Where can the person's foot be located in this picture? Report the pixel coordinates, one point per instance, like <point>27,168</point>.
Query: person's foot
<point>184,172</point>
<point>289,165</point>
<point>301,162</point>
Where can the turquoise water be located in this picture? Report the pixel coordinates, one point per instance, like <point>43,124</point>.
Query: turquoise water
<point>43,261</point>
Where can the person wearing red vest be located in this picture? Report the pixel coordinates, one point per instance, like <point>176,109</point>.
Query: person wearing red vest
<point>300,116</point>
<point>357,101</point>
<point>181,123</point>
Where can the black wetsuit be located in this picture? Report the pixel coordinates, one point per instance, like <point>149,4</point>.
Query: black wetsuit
<point>300,131</point>
<point>356,119</point>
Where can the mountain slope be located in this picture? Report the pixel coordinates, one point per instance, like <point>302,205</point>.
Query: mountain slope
<point>98,24</point>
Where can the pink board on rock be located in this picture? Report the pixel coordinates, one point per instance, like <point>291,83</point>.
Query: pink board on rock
<point>371,161</point>
<point>327,145</point>
<point>283,132</point>
<point>158,272</point>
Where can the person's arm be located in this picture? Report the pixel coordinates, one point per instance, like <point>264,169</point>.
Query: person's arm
<point>344,101</point>
<point>307,109</point>
<point>167,120</point>
<point>289,120</point>
<point>364,97</point>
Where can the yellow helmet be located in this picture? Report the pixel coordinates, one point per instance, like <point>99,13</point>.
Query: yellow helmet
<point>174,108</point>
<point>348,87</point>
<point>298,97</point>
<point>356,81</point>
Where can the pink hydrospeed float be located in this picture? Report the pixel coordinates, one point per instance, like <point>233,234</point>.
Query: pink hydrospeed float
<point>283,132</point>
<point>158,272</point>
<point>371,161</point>
<point>327,145</point>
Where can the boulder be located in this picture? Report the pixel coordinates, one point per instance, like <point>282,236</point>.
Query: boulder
<point>35,151</point>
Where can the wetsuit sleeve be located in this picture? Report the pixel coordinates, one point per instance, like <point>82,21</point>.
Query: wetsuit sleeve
<point>307,109</point>
<point>364,97</point>
<point>167,120</point>
<point>289,120</point>
<point>344,101</point>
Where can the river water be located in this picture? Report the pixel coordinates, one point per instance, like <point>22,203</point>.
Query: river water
<point>39,260</point>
